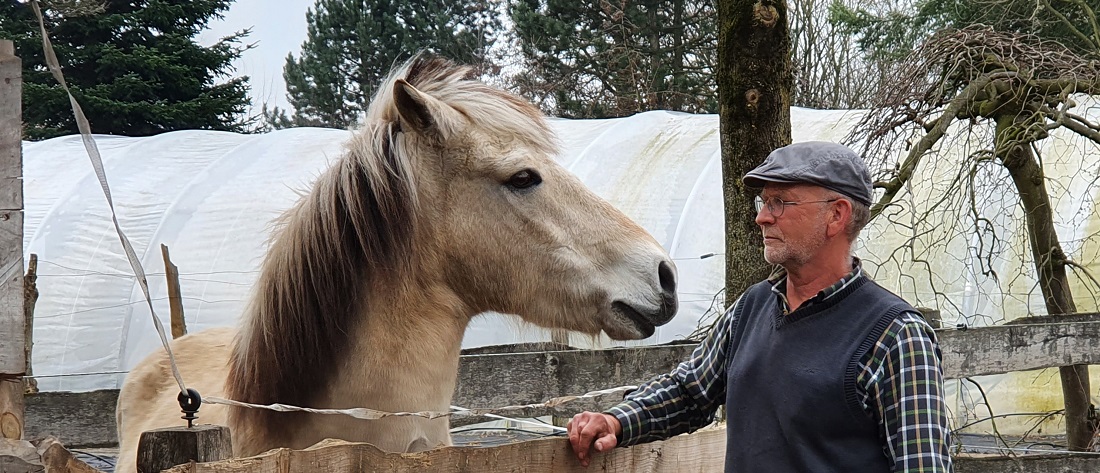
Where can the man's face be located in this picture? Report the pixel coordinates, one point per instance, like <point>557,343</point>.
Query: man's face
<point>793,239</point>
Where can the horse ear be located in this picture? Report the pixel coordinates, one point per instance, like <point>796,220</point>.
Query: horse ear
<point>421,113</point>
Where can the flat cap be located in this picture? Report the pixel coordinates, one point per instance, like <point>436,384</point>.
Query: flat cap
<point>830,165</point>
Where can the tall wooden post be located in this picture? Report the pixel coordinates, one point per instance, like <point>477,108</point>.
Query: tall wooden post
<point>12,357</point>
<point>30,297</point>
<point>175,299</point>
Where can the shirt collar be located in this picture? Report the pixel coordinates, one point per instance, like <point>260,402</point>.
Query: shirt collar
<point>779,286</point>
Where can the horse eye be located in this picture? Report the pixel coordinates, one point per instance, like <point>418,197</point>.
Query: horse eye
<point>524,179</point>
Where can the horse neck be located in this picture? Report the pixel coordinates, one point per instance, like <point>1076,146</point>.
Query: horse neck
<point>404,353</point>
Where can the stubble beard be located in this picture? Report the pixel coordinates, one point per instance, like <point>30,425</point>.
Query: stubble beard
<point>795,254</point>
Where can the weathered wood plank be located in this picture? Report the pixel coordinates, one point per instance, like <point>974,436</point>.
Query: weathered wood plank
<point>162,449</point>
<point>1047,463</point>
<point>702,451</point>
<point>175,300</point>
<point>11,193</point>
<point>30,296</point>
<point>57,459</point>
<point>11,113</point>
<point>12,357</point>
<point>78,420</point>
<point>1005,348</point>
<point>525,378</point>
<point>46,455</point>
<point>698,452</point>
<point>19,456</point>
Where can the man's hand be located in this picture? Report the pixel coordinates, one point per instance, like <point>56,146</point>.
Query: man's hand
<point>588,428</point>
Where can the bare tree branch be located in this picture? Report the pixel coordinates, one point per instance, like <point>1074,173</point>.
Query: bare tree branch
<point>905,171</point>
<point>1078,124</point>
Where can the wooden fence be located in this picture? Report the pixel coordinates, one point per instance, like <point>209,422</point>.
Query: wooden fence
<point>507,377</point>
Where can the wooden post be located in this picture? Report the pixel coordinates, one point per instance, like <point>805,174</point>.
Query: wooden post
<point>175,302</point>
<point>162,449</point>
<point>559,337</point>
<point>932,316</point>
<point>30,297</point>
<point>12,356</point>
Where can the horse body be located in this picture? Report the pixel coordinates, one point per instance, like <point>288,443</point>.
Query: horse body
<point>447,204</point>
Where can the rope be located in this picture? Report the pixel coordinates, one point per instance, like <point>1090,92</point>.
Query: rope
<point>97,163</point>
<point>374,414</point>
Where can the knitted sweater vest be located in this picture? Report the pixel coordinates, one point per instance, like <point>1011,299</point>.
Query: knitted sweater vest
<point>791,398</point>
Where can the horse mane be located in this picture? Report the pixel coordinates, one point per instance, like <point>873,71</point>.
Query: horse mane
<point>354,229</point>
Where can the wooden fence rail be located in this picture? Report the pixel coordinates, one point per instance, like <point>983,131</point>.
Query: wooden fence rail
<point>503,379</point>
<point>699,452</point>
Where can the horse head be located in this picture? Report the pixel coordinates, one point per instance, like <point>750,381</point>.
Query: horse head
<point>508,228</point>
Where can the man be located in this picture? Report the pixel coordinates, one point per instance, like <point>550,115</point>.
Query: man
<point>820,369</point>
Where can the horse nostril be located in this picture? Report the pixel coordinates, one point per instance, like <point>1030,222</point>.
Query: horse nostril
<point>667,276</point>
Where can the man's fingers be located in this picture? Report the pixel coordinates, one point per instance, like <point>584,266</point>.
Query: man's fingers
<point>589,430</point>
<point>594,428</point>
<point>577,435</point>
<point>606,442</point>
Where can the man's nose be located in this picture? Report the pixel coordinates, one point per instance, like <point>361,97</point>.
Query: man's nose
<point>764,217</point>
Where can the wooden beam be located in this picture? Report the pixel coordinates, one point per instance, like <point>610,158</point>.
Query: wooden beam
<point>11,121</point>
<point>702,451</point>
<point>78,420</point>
<point>12,357</point>
<point>698,452</point>
<point>162,449</point>
<point>1006,348</point>
<point>175,301</point>
<point>498,380</point>
<point>1037,463</point>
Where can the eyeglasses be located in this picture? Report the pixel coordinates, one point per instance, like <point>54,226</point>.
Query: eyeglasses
<point>776,205</point>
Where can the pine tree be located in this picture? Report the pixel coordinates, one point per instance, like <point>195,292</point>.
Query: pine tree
<point>600,58</point>
<point>133,66</point>
<point>352,44</point>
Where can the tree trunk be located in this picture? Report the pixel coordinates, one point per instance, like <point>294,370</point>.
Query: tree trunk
<point>754,110</point>
<point>676,93</point>
<point>1050,266</point>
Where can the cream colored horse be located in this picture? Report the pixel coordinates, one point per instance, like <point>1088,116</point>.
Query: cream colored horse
<point>446,204</point>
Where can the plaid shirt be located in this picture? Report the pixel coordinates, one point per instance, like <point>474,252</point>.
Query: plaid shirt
<point>913,427</point>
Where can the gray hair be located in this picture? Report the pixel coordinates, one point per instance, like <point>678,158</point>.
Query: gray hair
<point>861,214</point>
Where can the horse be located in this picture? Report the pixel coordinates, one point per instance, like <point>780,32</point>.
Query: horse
<point>446,203</point>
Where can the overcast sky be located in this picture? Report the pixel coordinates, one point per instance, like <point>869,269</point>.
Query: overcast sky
<point>278,28</point>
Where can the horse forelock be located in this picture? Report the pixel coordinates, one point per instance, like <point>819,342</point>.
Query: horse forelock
<point>494,111</point>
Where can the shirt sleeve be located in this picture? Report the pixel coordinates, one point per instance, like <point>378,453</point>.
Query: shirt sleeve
<point>683,400</point>
<point>906,394</point>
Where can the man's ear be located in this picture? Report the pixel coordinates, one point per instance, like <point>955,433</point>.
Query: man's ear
<point>423,114</point>
<point>839,217</point>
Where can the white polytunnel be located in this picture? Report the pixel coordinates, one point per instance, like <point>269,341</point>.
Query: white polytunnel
<point>210,197</point>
